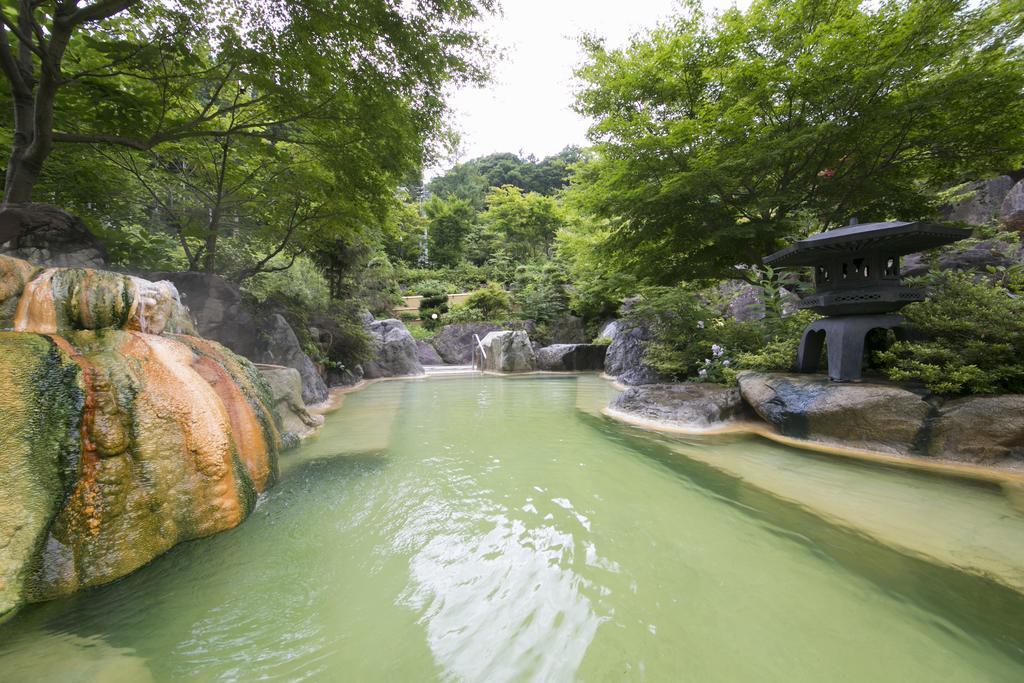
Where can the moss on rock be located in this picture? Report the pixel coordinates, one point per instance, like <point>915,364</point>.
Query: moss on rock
<point>40,409</point>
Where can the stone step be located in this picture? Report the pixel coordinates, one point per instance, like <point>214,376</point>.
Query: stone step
<point>449,370</point>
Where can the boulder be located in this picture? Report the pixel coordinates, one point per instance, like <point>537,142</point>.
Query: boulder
<point>508,351</point>
<point>567,329</point>
<point>286,393</point>
<point>877,417</point>
<point>968,255</point>
<point>49,236</point>
<point>745,300</point>
<point>397,355</point>
<point>455,343</point>
<point>280,346</point>
<point>683,405</point>
<point>38,452</point>
<point>609,330</point>
<point>571,357</point>
<point>1011,213</point>
<point>427,354</point>
<point>982,202</point>
<point>344,377</point>
<point>216,307</point>
<point>119,438</point>
<point>986,429</point>
<point>625,355</point>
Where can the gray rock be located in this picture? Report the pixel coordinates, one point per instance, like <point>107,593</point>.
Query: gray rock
<point>683,405</point>
<point>280,346</point>
<point>571,357</point>
<point>966,256</point>
<point>216,306</point>
<point>877,417</point>
<point>745,300</point>
<point>286,393</point>
<point>625,355</point>
<point>455,343</point>
<point>1011,213</point>
<point>508,351</point>
<point>609,330</point>
<point>49,236</point>
<point>427,354</point>
<point>344,377</point>
<point>983,429</point>
<point>984,202</point>
<point>567,329</point>
<point>397,355</point>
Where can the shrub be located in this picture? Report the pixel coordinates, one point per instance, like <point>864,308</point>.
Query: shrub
<point>540,292</point>
<point>463,313</point>
<point>421,333</point>
<point>492,302</point>
<point>433,306</point>
<point>692,341</point>
<point>974,338</point>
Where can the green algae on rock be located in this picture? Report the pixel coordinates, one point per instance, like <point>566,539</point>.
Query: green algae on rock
<point>40,411</point>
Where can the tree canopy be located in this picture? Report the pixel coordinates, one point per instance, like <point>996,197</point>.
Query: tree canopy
<point>716,139</point>
<point>279,124</point>
<point>472,179</point>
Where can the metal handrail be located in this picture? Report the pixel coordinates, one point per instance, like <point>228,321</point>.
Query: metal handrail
<point>483,353</point>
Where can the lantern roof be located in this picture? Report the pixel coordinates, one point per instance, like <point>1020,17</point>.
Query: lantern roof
<point>895,238</point>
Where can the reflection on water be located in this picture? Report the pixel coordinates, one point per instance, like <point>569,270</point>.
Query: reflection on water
<point>482,529</point>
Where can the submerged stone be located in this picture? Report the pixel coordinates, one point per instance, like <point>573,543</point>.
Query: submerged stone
<point>690,405</point>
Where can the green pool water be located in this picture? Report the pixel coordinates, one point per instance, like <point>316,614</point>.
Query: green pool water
<point>486,529</point>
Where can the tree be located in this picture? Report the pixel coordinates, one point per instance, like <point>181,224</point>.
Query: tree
<point>718,139</point>
<point>404,231</point>
<point>473,179</point>
<point>448,221</point>
<point>142,73</point>
<point>526,223</point>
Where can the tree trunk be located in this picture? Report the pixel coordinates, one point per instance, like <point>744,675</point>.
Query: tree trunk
<point>210,260</point>
<point>21,179</point>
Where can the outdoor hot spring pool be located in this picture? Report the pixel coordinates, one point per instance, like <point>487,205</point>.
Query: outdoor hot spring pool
<point>488,529</point>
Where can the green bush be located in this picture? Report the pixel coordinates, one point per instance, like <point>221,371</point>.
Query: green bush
<point>540,292</point>
<point>463,313</point>
<point>302,287</point>
<point>408,316</point>
<point>492,302</point>
<point>433,306</point>
<point>421,333</point>
<point>974,338</point>
<point>693,341</point>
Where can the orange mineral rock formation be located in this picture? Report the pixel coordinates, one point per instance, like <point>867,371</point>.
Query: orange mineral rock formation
<point>156,440</point>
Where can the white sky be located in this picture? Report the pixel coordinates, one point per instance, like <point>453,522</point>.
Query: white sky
<point>528,107</point>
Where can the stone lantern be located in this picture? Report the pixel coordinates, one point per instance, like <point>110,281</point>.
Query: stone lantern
<point>857,285</point>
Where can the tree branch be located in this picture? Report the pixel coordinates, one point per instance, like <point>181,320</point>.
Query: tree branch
<point>95,12</point>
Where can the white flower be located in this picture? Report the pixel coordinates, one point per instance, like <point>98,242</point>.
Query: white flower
<point>707,361</point>
<point>717,350</point>
<point>700,324</point>
<point>702,372</point>
<point>725,363</point>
